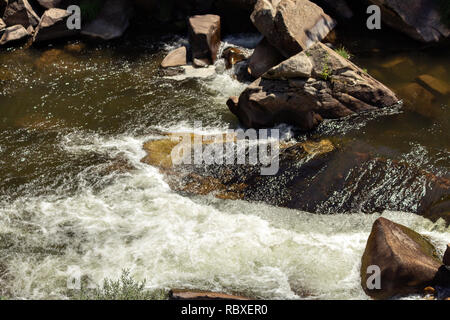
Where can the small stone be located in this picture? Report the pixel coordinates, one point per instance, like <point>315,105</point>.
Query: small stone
<point>201,63</point>
<point>175,58</point>
<point>233,56</point>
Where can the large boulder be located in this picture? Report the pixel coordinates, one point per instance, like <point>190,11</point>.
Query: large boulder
<point>13,34</point>
<point>420,19</point>
<point>20,12</point>
<point>53,26</point>
<point>112,21</point>
<point>291,25</point>
<point>301,96</point>
<point>264,57</point>
<point>204,36</point>
<point>408,262</point>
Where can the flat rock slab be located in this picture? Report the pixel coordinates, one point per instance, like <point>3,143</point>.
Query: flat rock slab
<point>291,25</point>
<point>419,19</point>
<point>204,36</point>
<point>435,85</point>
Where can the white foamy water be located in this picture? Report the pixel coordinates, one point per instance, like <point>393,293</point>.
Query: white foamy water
<point>137,222</point>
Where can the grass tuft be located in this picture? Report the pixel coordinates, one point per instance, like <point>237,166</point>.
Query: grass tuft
<point>344,53</point>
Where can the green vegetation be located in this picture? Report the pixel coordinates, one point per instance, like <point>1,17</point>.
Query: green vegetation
<point>344,53</point>
<point>326,70</point>
<point>125,288</point>
<point>444,6</point>
<point>90,9</point>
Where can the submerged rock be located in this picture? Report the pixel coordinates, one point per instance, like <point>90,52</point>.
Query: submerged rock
<point>419,100</point>
<point>291,25</point>
<point>204,36</point>
<point>53,26</point>
<point>436,86</point>
<point>419,19</point>
<point>333,88</point>
<point>408,262</point>
<point>175,58</point>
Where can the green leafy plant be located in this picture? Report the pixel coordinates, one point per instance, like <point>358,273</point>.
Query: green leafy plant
<point>124,288</point>
<point>344,53</point>
<point>90,9</point>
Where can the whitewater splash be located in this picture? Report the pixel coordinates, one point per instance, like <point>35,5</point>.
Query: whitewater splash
<point>137,222</point>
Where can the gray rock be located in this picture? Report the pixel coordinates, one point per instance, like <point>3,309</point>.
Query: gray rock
<point>263,59</point>
<point>420,19</point>
<point>112,21</point>
<point>298,66</point>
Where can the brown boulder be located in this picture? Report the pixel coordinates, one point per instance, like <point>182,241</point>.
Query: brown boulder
<point>408,262</point>
<point>12,34</point>
<point>335,89</point>
<point>175,58</point>
<point>291,25</point>
<point>204,36</point>
<point>263,58</point>
<point>233,56</point>
<point>419,19</point>
<point>20,12</point>
<point>53,26</point>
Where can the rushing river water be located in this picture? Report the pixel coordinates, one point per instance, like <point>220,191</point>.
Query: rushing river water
<point>73,191</point>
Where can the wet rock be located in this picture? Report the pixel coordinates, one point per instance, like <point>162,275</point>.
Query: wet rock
<point>337,88</point>
<point>175,58</point>
<point>401,67</point>
<point>429,290</point>
<point>111,22</point>
<point>233,56</point>
<point>419,100</point>
<point>20,12</point>
<point>436,86</point>
<point>408,261</point>
<point>291,25</point>
<point>201,295</point>
<point>53,26</point>
<point>263,59</point>
<point>411,18</point>
<point>13,34</point>
<point>204,36</point>
<point>75,48</point>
